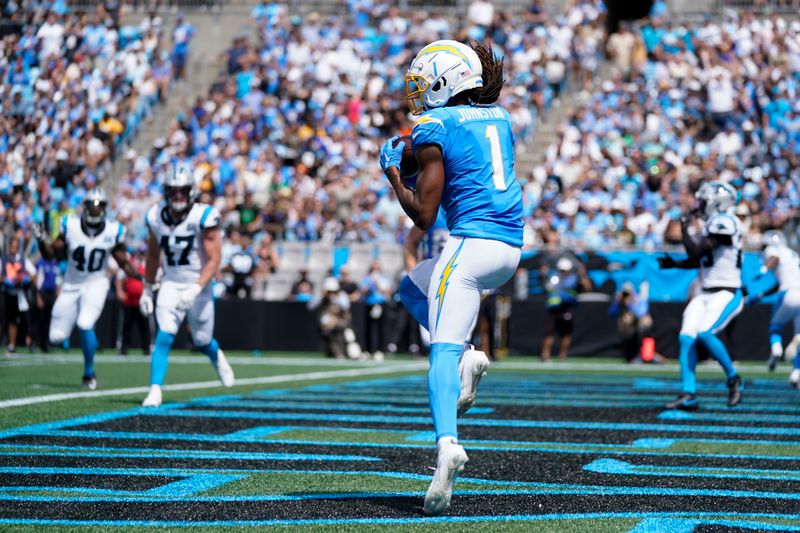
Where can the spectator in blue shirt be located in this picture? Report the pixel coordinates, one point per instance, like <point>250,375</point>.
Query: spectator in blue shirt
<point>182,35</point>
<point>376,289</point>
<point>47,280</point>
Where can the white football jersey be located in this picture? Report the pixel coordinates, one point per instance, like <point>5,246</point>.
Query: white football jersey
<point>87,257</point>
<point>724,267</point>
<point>182,256</point>
<point>788,269</point>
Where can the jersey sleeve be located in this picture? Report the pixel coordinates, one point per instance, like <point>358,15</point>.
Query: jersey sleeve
<point>429,129</point>
<point>120,234</point>
<point>724,225</point>
<point>210,218</point>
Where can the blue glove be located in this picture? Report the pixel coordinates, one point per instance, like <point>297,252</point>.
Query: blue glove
<point>391,155</point>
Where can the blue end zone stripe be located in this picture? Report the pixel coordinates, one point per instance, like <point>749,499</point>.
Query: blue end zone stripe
<point>722,518</point>
<point>204,217</point>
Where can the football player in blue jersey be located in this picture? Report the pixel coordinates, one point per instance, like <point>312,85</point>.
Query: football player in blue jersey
<point>464,146</point>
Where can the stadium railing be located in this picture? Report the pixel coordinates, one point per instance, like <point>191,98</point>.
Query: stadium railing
<point>760,6</point>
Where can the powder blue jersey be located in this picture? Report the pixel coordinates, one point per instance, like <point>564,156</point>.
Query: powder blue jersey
<point>481,197</point>
<point>437,235</point>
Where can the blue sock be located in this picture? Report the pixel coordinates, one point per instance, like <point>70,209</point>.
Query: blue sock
<point>210,350</point>
<point>718,352</point>
<point>89,347</point>
<point>444,386</point>
<point>158,361</point>
<point>797,360</point>
<point>688,360</point>
<point>414,300</point>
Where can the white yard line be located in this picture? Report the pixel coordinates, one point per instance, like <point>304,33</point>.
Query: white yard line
<point>39,359</point>
<point>287,378</point>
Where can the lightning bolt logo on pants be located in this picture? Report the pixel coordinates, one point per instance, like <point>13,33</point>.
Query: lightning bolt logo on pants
<point>444,281</point>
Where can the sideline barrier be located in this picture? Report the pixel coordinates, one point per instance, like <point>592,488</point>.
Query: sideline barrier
<point>291,326</point>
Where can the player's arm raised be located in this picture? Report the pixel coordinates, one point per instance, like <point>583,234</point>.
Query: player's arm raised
<point>120,255</point>
<point>420,204</point>
<point>50,249</point>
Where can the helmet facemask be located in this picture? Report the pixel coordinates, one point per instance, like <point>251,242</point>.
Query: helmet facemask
<point>179,199</point>
<point>94,212</point>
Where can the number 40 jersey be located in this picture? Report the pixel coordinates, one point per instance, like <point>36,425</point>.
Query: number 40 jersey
<point>87,256</point>
<point>182,256</point>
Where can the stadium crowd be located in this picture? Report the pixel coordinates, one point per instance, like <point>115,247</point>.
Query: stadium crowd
<point>74,88</point>
<point>285,141</point>
<point>685,102</point>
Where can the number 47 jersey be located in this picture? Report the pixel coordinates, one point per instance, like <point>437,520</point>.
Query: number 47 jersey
<point>182,256</point>
<point>87,255</point>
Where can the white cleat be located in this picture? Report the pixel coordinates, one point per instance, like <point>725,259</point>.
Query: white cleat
<point>153,397</point>
<point>794,378</point>
<point>471,368</point>
<point>224,370</point>
<point>90,382</point>
<point>449,464</point>
<point>791,349</point>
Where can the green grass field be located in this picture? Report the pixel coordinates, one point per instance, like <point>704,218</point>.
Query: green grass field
<point>320,445</point>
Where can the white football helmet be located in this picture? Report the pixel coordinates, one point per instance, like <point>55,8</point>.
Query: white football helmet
<point>179,187</point>
<point>94,207</point>
<point>716,197</point>
<point>773,238</point>
<point>440,71</point>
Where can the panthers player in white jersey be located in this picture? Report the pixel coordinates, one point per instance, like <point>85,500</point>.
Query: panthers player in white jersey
<point>718,254</point>
<point>785,264</point>
<point>86,242</point>
<point>185,241</point>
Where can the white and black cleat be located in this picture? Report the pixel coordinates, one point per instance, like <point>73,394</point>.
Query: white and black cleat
<point>471,368</point>
<point>794,378</point>
<point>450,462</point>
<point>224,370</point>
<point>89,382</point>
<point>153,397</point>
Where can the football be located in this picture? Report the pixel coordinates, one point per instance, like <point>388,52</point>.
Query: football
<point>408,164</point>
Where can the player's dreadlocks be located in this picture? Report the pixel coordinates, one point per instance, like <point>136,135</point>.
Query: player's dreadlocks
<point>492,74</point>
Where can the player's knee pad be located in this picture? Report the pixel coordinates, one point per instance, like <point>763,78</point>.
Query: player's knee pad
<point>202,338</point>
<point>57,336</point>
<point>85,323</point>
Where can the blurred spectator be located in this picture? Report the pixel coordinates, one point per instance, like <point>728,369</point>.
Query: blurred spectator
<point>129,290</point>
<point>632,311</point>
<point>240,269</point>
<point>48,280</point>
<point>348,286</point>
<point>376,291</point>
<point>182,35</point>
<point>303,289</point>
<point>18,272</point>
<point>563,286</point>
<point>335,322</point>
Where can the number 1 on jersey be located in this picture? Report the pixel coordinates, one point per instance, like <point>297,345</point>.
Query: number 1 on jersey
<point>498,175</point>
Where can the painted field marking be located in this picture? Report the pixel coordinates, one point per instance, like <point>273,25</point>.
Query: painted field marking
<point>479,422</point>
<point>38,359</point>
<point>711,518</point>
<point>615,466</point>
<point>283,378</point>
